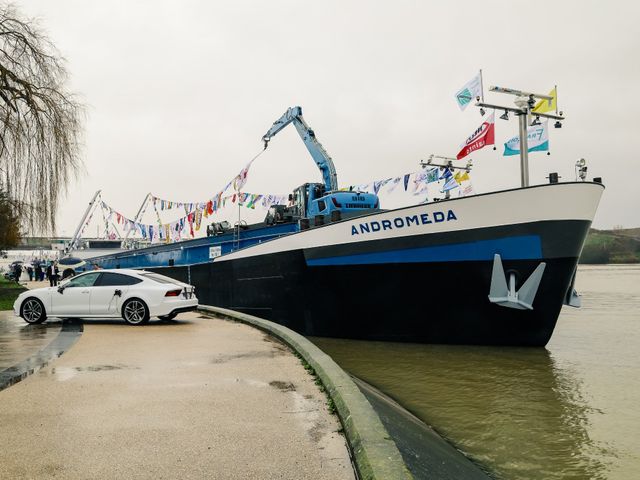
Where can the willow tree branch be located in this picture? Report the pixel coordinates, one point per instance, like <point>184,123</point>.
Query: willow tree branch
<point>40,122</point>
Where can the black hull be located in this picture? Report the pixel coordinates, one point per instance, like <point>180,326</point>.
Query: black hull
<point>425,302</point>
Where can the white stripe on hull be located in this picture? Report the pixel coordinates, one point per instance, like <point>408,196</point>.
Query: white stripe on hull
<point>563,201</point>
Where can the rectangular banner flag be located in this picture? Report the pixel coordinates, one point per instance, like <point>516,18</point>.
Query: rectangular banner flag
<point>471,90</point>
<point>483,136</point>
<point>537,140</point>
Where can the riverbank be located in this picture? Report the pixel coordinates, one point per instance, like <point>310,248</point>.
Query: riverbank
<point>619,246</point>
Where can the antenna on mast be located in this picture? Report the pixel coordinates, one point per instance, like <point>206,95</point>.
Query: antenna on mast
<point>448,163</point>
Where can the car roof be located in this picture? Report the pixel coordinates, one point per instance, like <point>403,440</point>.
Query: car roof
<point>126,271</point>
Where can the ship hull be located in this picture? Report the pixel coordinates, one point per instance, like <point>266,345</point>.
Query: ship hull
<point>423,302</point>
<point>418,274</point>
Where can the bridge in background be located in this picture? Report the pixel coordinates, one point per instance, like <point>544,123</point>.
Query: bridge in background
<point>61,243</point>
<point>43,243</point>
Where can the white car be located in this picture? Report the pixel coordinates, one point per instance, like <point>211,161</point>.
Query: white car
<point>134,295</point>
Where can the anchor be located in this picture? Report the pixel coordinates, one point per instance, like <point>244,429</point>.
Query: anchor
<point>506,296</point>
<point>573,299</point>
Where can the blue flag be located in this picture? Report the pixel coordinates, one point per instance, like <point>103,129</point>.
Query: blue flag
<point>446,174</point>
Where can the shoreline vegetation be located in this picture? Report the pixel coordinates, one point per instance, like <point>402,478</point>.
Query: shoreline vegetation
<point>611,246</point>
<point>9,291</point>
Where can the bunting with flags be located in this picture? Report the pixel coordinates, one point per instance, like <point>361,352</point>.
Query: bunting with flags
<point>418,181</point>
<point>190,223</point>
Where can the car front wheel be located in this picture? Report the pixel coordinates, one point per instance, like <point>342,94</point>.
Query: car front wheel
<point>135,312</point>
<point>32,311</point>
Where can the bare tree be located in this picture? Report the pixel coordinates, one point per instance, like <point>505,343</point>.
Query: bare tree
<point>39,121</point>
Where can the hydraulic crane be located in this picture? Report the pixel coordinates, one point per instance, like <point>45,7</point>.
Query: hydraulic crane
<point>319,199</point>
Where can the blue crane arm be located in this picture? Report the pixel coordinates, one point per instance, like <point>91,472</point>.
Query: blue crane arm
<point>317,151</point>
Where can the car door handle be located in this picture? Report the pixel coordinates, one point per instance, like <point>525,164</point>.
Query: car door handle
<point>84,291</point>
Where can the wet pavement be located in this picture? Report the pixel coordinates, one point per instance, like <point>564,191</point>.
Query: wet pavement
<point>19,340</point>
<point>197,398</point>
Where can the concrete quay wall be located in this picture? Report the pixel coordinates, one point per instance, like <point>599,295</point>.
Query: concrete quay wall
<point>375,453</point>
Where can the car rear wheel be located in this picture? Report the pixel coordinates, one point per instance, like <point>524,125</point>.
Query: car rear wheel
<point>32,311</point>
<point>135,312</point>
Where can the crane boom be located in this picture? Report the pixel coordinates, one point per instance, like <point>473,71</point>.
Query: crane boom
<point>317,151</point>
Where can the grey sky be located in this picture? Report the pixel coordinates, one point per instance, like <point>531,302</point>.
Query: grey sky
<point>180,93</point>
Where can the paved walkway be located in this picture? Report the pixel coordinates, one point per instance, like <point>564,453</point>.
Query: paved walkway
<point>198,398</point>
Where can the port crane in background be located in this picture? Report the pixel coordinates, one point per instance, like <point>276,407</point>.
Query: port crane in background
<point>316,200</point>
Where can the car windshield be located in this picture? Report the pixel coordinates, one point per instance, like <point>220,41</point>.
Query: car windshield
<point>159,278</point>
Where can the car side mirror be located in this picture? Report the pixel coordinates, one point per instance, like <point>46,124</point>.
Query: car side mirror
<point>60,290</point>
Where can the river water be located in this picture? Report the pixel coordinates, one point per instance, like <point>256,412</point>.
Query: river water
<point>567,411</point>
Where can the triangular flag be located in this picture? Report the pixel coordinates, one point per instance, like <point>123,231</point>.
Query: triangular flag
<point>483,136</point>
<point>544,106</point>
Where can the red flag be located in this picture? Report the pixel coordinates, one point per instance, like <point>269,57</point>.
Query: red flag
<point>483,136</point>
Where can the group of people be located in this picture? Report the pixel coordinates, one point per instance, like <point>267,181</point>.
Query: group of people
<point>38,274</point>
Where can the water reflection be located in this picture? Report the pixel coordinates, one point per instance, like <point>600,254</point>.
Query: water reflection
<point>33,332</point>
<point>513,410</point>
<point>19,340</point>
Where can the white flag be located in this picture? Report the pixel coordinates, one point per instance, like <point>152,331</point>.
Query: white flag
<point>471,90</point>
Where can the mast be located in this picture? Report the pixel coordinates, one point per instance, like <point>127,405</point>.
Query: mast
<point>525,102</point>
<point>524,148</point>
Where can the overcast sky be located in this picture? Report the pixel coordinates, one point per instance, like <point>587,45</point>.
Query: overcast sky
<point>180,93</point>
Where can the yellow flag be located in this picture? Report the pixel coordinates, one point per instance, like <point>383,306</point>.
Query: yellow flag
<point>461,177</point>
<point>544,106</point>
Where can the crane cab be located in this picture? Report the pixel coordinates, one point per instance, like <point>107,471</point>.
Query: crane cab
<point>311,200</point>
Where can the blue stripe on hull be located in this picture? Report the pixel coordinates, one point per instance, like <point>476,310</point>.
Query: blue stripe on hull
<point>526,247</point>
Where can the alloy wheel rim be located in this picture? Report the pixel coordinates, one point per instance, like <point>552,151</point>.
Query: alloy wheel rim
<point>134,312</point>
<point>32,311</point>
